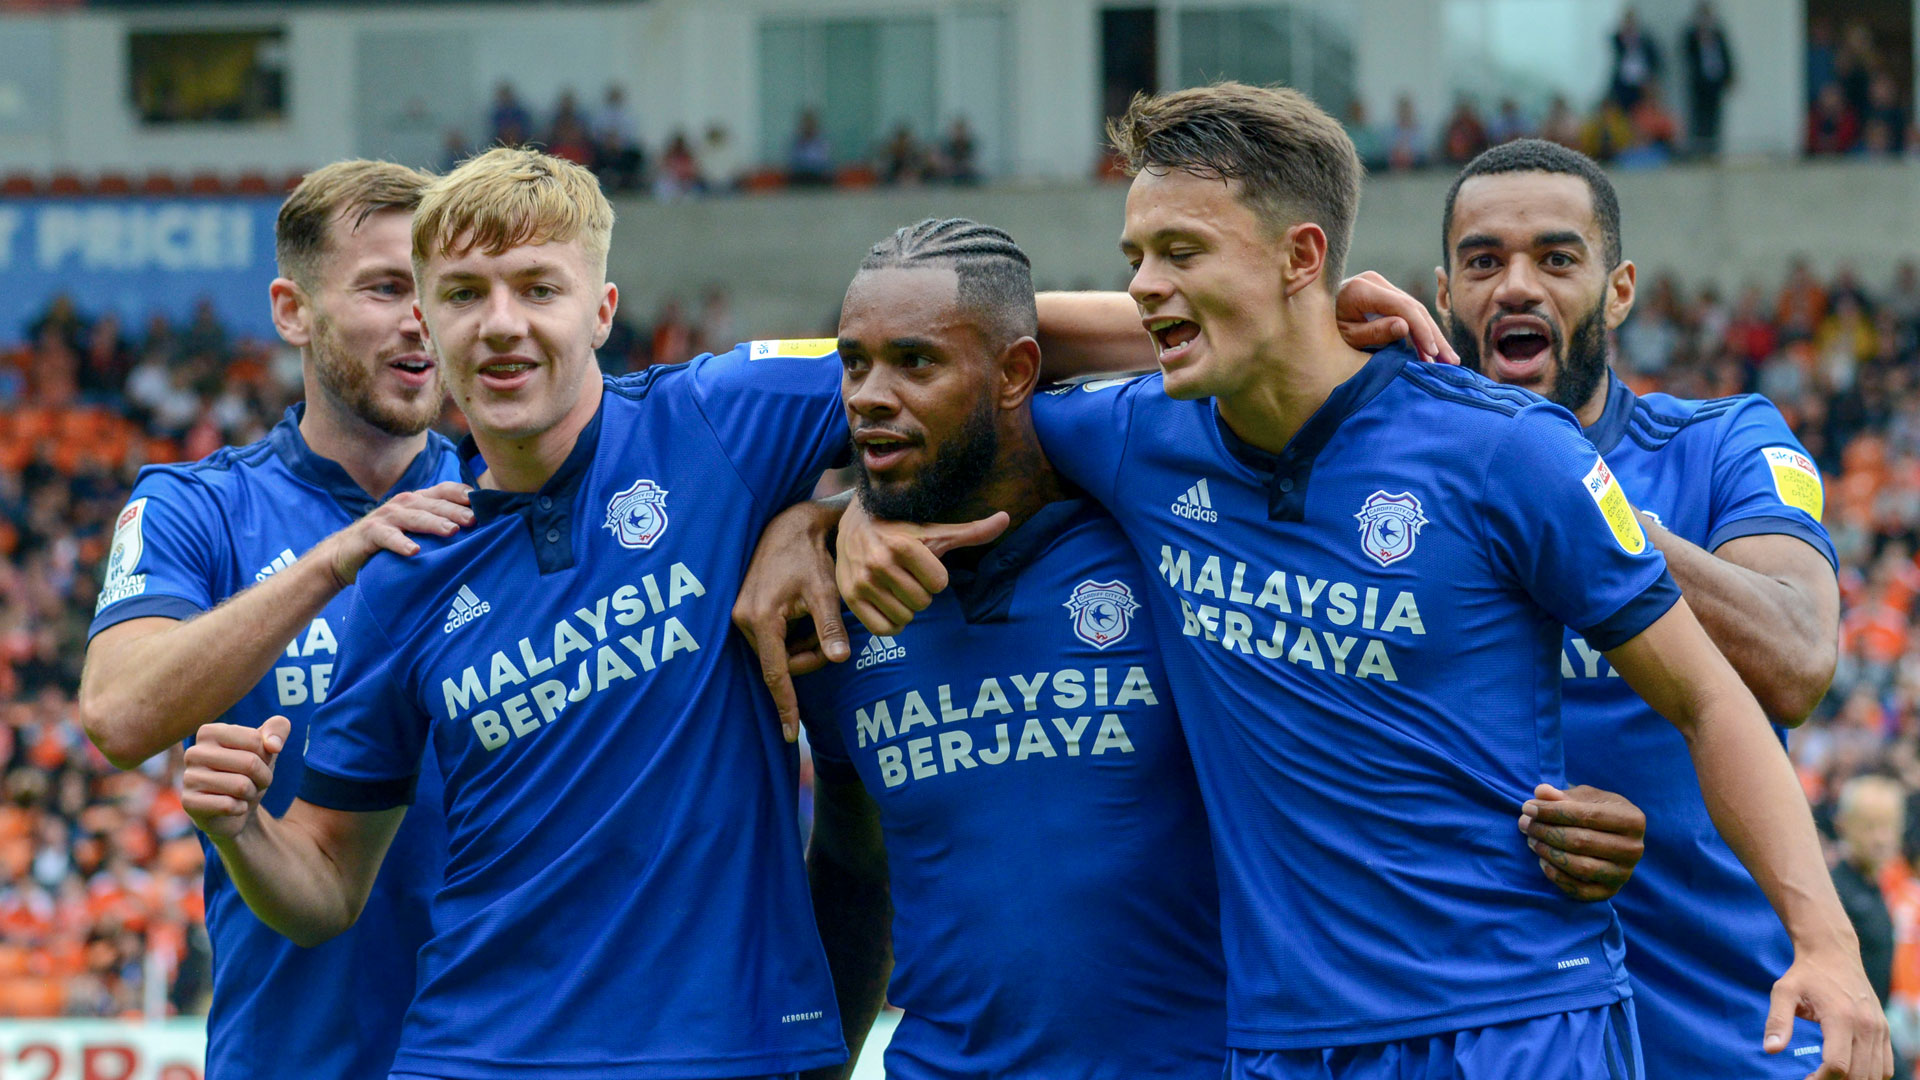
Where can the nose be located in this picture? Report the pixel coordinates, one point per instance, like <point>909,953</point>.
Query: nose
<point>502,322</point>
<point>410,326</point>
<point>1150,285</point>
<point>1520,286</point>
<point>871,393</point>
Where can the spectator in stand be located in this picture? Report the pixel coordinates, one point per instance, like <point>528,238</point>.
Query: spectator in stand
<point>960,154</point>
<point>108,359</point>
<point>1883,130</point>
<point>454,150</point>
<point>1369,142</point>
<point>679,173</point>
<point>1870,820</point>
<point>1710,74</point>
<point>1855,66</point>
<point>1802,303</point>
<point>1822,57</point>
<point>810,159</point>
<point>62,319</point>
<point>1561,125</point>
<point>1465,136</point>
<point>1407,144</point>
<point>1636,61</point>
<point>569,137</point>
<point>902,161</point>
<point>714,331</point>
<point>1651,335</point>
<point>1655,131</point>
<point>1508,124</point>
<point>721,165</point>
<point>672,336</point>
<point>623,351</point>
<point>1607,133</point>
<point>617,154</point>
<point>510,124</point>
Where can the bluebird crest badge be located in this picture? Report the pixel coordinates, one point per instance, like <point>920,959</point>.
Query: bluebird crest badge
<point>1102,611</point>
<point>1389,525</point>
<point>638,515</point>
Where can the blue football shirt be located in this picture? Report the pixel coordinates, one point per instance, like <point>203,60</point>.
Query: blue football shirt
<point>192,536</point>
<point>624,891</point>
<point>1703,945</point>
<point>1363,638</point>
<point>1055,915</point>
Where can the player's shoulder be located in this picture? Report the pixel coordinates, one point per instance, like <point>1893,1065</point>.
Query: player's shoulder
<point>738,366</point>
<point>218,476</point>
<point>1451,385</point>
<point>1658,420</point>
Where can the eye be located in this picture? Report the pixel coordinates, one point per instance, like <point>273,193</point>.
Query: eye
<point>913,361</point>
<point>1559,260</point>
<point>1482,262</point>
<point>543,292</point>
<point>461,295</point>
<point>852,365</point>
<point>390,289</point>
<point>1182,256</point>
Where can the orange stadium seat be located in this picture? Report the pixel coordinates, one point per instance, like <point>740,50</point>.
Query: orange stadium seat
<point>66,185</point>
<point>33,997</point>
<point>253,183</point>
<point>854,177</point>
<point>19,185</point>
<point>206,183</point>
<point>764,180</point>
<point>112,183</point>
<point>159,183</point>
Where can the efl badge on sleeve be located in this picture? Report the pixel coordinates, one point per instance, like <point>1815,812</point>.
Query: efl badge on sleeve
<point>1389,525</point>
<point>1102,611</point>
<point>638,515</point>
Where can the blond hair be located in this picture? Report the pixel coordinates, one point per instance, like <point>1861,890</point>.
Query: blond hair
<point>507,198</point>
<point>1293,161</point>
<point>348,191</point>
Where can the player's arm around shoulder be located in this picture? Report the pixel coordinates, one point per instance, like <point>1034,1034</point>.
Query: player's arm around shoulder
<point>1756,803</point>
<point>151,682</point>
<point>307,873</point>
<point>852,902</point>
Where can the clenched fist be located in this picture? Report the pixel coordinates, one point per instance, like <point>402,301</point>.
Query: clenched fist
<point>229,767</point>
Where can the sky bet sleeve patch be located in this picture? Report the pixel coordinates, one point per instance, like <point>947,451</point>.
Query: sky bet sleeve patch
<point>1612,502</point>
<point>1796,479</point>
<point>800,347</point>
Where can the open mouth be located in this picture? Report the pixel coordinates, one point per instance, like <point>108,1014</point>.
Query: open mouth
<point>415,369</point>
<point>881,450</point>
<point>506,373</point>
<point>1172,336</point>
<point>1521,345</point>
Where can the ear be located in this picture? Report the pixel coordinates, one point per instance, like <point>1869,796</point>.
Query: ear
<point>292,312</point>
<point>1019,373</point>
<point>603,318</point>
<point>1620,293</point>
<point>1304,247</point>
<point>1442,300</point>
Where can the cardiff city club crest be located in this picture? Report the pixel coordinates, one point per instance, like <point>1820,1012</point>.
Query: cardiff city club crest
<point>638,515</point>
<point>1389,524</point>
<point>1102,611</point>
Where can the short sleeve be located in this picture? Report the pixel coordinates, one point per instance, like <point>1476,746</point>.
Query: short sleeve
<point>166,555</point>
<point>1083,429</point>
<point>1764,481</point>
<point>819,697</point>
<point>775,408</point>
<point>1561,526</point>
<point>364,745</point>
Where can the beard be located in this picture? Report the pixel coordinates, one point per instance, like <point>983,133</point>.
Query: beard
<point>351,383</point>
<point>946,484</point>
<point>1580,359</point>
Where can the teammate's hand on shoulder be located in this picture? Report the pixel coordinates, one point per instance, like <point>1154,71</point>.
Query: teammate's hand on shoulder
<point>1827,984</point>
<point>1588,841</point>
<point>788,608</point>
<point>1399,315</point>
<point>228,768</point>
<point>889,570</point>
<point>440,510</point>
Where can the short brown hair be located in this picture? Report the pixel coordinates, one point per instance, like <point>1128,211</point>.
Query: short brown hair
<point>348,190</point>
<point>1293,161</point>
<point>510,197</point>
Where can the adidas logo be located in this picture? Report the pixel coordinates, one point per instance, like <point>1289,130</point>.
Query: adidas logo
<point>1196,504</point>
<point>280,562</point>
<point>466,608</point>
<point>878,651</point>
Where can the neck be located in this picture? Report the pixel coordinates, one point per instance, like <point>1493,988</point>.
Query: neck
<point>1300,368</point>
<point>516,463</point>
<point>375,459</point>
<point>1022,480</point>
<point>1589,414</point>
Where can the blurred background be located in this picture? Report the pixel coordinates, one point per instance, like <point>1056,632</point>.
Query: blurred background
<point>1765,152</point>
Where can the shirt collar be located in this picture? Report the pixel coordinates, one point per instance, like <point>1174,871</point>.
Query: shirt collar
<point>985,591</point>
<point>548,512</point>
<point>1606,432</point>
<point>1292,467</point>
<point>327,475</point>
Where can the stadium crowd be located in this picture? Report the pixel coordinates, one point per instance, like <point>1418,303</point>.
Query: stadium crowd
<point>100,871</point>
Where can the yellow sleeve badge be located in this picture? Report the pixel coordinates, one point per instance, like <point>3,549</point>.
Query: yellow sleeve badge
<point>794,347</point>
<point>1612,501</point>
<point>1796,479</point>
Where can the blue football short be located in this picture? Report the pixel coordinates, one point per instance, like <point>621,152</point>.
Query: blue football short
<point>1589,1044</point>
